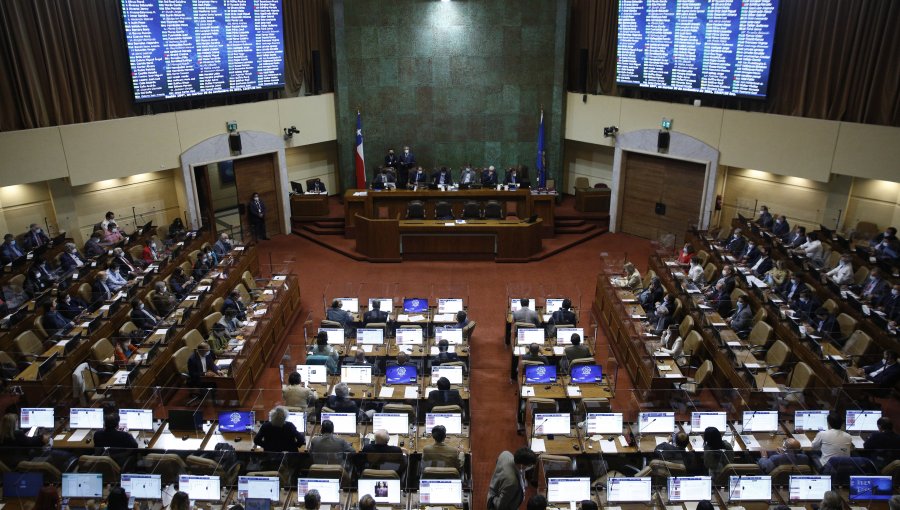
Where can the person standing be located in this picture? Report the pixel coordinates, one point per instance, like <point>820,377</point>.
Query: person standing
<point>507,489</point>
<point>256,213</point>
<point>407,161</point>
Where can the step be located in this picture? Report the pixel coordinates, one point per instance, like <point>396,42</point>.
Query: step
<point>324,231</point>
<point>577,229</point>
<point>568,222</point>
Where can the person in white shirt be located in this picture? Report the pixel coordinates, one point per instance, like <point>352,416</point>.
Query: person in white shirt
<point>812,248</point>
<point>833,442</point>
<point>695,273</point>
<point>842,274</point>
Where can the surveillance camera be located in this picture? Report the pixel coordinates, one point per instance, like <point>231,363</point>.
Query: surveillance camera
<point>610,131</point>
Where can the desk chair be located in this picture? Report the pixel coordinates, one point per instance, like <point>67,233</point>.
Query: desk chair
<point>703,255</point>
<point>217,304</point>
<point>84,292</point>
<point>103,354</point>
<point>386,474</point>
<point>203,466</point>
<point>709,273</point>
<point>50,472</point>
<point>415,210</point>
<point>471,211</point>
<point>554,466</point>
<point>9,369</point>
<point>594,405</point>
<point>859,277</point>
<point>760,337</point>
<point>841,468</point>
<point>493,210</point>
<point>760,315</point>
<point>829,304</point>
<point>180,361</point>
<point>858,345</point>
<point>168,465</point>
<point>649,275</point>
<point>127,329</point>
<point>29,345</point>
<point>801,378</point>
<point>330,471</point>
<point>284,473</point>
<point>443,211</point>
<point>777,356</point>
<point>734,469</point>
<point>192,339</point>
<point>660,470</point>
<point>847,324</point>
<point>687,324</point>
<point>250,283</point>
<point>401,408</point>
<point>781,475</point>
<point>208,322</point>
<point>92,379</point>
<point>38,326</point>
<point>102,464</point>
<point>693,385</point>
<point>440,472</point>
<point>690,351</point>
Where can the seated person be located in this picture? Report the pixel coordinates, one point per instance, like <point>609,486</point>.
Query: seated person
<point>70,306</point>
<point>512,177</point>
<point>631,277</point>
<point>380,444</point>
<point>323,349</point>
<point>107,218</point>
<point>375,315</point>
<point>52,321</point>
<point>70,259</point>
<point>842,274</point>
<point>141,317</point>
<point>163,300</point>
<point>534,354</point>
<point>218,338</point>
<point>340,401</point>
<point>359,358</point>
<point>765,218</point>
<point>383,177</point>
<point>212,258</point>
<point>233,302</point>
<point>489,177</point>
<point>114,278</point>
<point>467,176</point>
<point>150,253</point>
<point>795,238</point>
<point>652,295</point>
<point>889,234</point>
<point>672,344</point>
<point>417,177</point>
<point>833,442</point>
<point>112,236</point>
<point>443,396</point>
<point>127,265</point>
<point>662,316</point>
<point>564,315</point>
<point>403,360</point>
<point>885,373</point>
<point>111,436</point>
<point>806,305</point>
<point>888,250</point>
<point>36,282</point>
<point>874,288</point>
<point>677,452</point>
<point>14,295</point>
<point>442,177</point>
<point>317,186</point>
<point>812,248</point>
<point>35,238</point>
<point>326,448</point>
<point>100,289</point>
<point>124,349</point>
<point>10,249</point>
<point>890,304</point>
<point>882,446</point>
<point>201,267</point>
<point>727,280</point>
<point>94,248</point>
<point>462,319</point>
<point>749,254</point>
<point>231,323</point>
<point>577,350</point>
<point>781,227</point>
<point>223,245</point>
<point>763,263</point>
<point>686,254</point>
<point>742,319</point>
<point>735,244</point>
<point>202,363</point>
<point>336,314</point>
<point>443,356</point>
<point>789,454</point>
<point>526,315</point>
<point>825,324</point>
<point>181,283</point>
<point>442,454</point>
<point>295,394</point>
<point>792,287</point>
<point>278,434</point>
<point>776,276</point>
<point>176,229</point>
<point>720,300</point>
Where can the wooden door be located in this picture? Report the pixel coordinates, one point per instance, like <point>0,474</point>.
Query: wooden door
<point>258,175</point>
<point>650,180</point>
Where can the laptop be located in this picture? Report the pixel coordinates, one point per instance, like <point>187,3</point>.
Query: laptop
<point>82,485</point>
<point>450,305</point>
<point>384,490</point>
<point>808,487</point>
<point>200,487</point>
<point>313,374</point>
<point>540,374</point>
<point>329,489</point>
<point>405,374</point>
<point>344,423</point>
<point>259,487</point>
<point>585,374</point>
<point>393,423</point>
<point>451,421</point>
<point>603,423</point>
<point>356,374</point>
<point>22,485</point>
<point>236,421</point>
<point>656,422</point>
<point>349,304</point>
<point>547,424</point>
<point>142,486</point>
<point>440,492</point>
<point>453,373</point>
<point>689,488</point>
<point>629,489</point>
<point>750,488</point>
<point>700,420</point>
<point>415,305</point>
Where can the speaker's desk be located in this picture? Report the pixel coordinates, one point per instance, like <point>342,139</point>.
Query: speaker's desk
<point>501,240</point>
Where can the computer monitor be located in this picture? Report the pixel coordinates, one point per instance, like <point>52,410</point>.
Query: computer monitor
<point>808,487</point>
<point>405,374</point>
<point>384,490</point>
<point>255,487</point>
<point>185,419</point>
<point>604,423</point>
<point>700,420</point>
<point>85,418</point>
<point>863,421</point>
<point>344,423</point>
<point>440,492</point>
<point>200,487</point>
<point>515,304</point>
<point>82,485</point>
<point>528,336</point>
<point>385,304</point>
<point>370,336</point>
<point>297,187</point>
<point>656,423</point>
<point>415,305</point>
<point>356,374</point>
<point>750,488</point>
<point>760,421</point>
<point>810,421</point>
<point>37,417</point>
<point>22,485</point>
<point>236,421</point>
<point>585,374</point>
<point>451,421</point>
<point>565,490</point>
<point>298,418</point>
<point>564,335</point>
<point>450,305</point>
<point>136,419</point>
<point>329,489</point>
<point>868,488</point>
<point>690,488</point>
<point>315,374</point>
<point>409,336</point>
<point>540,374</point>
<point>142,486</point>
<point>47,364</point>
<point>552,424</point>
<point>335,335</point>
<point>393,423</point>
<point>623,490</point>
<point>453,373</point>
<point>349,304</point>
<point>452,335</point>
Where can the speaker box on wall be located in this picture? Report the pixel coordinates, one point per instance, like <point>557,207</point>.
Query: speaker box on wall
<point>317,72</point>
<point>662,142</point>
<point>234,142</point>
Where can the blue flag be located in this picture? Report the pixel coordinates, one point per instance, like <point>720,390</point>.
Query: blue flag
<point>541,159</point>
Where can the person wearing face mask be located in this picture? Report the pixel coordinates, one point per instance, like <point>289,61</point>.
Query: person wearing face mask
<point>736,243</point>
<point>781,227</point>
<point>256,213</point>
<point>70,307</point>
<point>36,237</point>
<point>806,305</point>
<point>141,317</point>
<point>889,234</point>
<point>100,290</point>
<point>750,254</point>
<point>695,273</point>
<point>742,319</point>
<point>727,281</point>
<point>720,299</point>
<point>181,283</point>
<point>223,245</point>
<point>763,263</point>
<point>93,248</point>
<point>202,266</point>
<point>163,300</point>
<point>684,257</point>
<point>418,178</point>
<point>391,160</point>
<point>812,248</point>
<point>150,254</point>
<point>885,373</point>
<point>35,282</point>
<point>489,177</point>
<point>765,219</point>
<point>792,287</point>
<point>825,324</point>
<point>127,266</point>
<point>109,217</point>
<point>775,276</point>
<point>114,278</point>
<point>112,235</point>
<point>10,249</point>
<point>842,274</point>
<point>407,162</point>
<point>797,238</point>
<point>70,259</point>
<point>211,257</point>
<point>47,272</point>
<point>467,176</point>
<point>52,321</point>
<point>890,304</point>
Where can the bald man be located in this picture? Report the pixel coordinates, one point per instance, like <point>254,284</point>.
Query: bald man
<point>789,453</point>
<point>380,444</point>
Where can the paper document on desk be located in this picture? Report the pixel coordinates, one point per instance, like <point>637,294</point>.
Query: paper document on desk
<point>386,392</point>
<point>718,324</point>
<point>429,389</point>
<point>394,440</point>
<point>79,435</point>
<point>672,376</point>
<point>573,391</point>
<point>445,317</point>
<point>734,344</point>
<point>750,441</point>
<point>547,317</point>
<point>608,446</point>
<point>697,443</point>
<point>803,440</point>
<point>663,368</point>
<point>638,316</point>
<point>771,389</point>
<point>415,318</point>
<point>251,324</point>
<point>408,349</point>
<point>660,439</point>
<point>538,446</point>
<point>260,312</point>
<point>752,365</point>
<point>160,331</point>
<point>558,350</point>
<point>120,377</point>
<point>269,292</point>
<point>629,300</point>
<point>520,350</point>
<point>705,307</point>
<point>279,278</point>
<point>858,442</point>
<point>527,391</point>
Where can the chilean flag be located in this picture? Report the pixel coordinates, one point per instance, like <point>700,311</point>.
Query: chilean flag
<point>360,158</point>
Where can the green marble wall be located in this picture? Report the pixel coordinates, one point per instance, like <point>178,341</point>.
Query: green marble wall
<point>457,81</point>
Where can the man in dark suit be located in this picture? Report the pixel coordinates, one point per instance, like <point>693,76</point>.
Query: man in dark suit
<point>489,177</point>
<point>763,263</point>
<point>885,373</point>
<point>407,161</point>
<point>256,214</point>
<point>391,160</point>
<point>383,178</point>
<point>93,248</point>
<point>806,305</point>
<point>512,177</point>
<point>70,259</point>
<point>180,283</point>
<point>525,314</point>
<point>380,444</point>
<point>890,304</point>
<point>35,238</point>
<point>52,321</point>
<point>443,395</point>
<point>825,324</point>
<point>443,356</point>
<point>742,319</point>
<point>789,454</point>
<point>233,302</point>
<point>141,317</point>
<point>442,177</point>
<point>736,243</point>
<point>507,487</point>
<point>720,300</point>
<point>874,287</point>
<point>111,436</point>
<point>202,363</point>
<point>326,448</point>
<point>792,287</point>
<point>375,315</point>
<point>341,402</point>
<point>564,315</point>
<point>765,219</point>
<point>317,186</point>
<point>797,238</point>
<point>534,354</point>
<point>278,434</point>
<point>882,446</point>
<point>418,178</point>
<point>781,227</point>
<point>577,350</point>
<point>10,249</point>
<point>749,254</point>
<point>69,306</point>
<point>127,266</point>
<point>100,291</point>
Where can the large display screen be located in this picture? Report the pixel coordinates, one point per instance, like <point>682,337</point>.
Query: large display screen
<point>721,47</point>
<point>182,48</point>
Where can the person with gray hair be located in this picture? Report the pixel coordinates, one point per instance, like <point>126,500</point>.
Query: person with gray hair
<point>278,434</point>
<point>163,301</point>
<point>312,500</point>
<point>70,259</point>
<point>380,444</point>
<point>367,502</point>
<point>341,402</point>
<point>831,501</point>
<point>894,503</point>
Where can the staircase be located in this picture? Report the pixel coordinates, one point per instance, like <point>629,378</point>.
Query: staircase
<point>319,226</point>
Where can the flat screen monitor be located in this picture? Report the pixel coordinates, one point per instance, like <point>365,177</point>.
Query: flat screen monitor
<point>409,336</point>
<point>185,419</point>
<point>760,421</point>
<point>604,423</point>
<point>82,485</point>
<point>356,374</point>
<point>863,421</point>
<point>450,305</point>
<point>200,487</point>
<point>85,418</point>
<point>808,487</point>
<point>236,421</point>
<point>297,187</point>
<point>440,492</point>
<point>349,304</point>
<point>552,424</point>
<point>623,490</point>
<point>298,418</point>
<point>453,336</point>
<point>565,490</point>
<point>141,486</point>
<point>868,488</point>
<point>329,489</point>
<point>750,488</point>
<point>37,417</point>
<point>385,304</point>
<point>258,487</point>
<point>564,335</point>
<point>708,48</point>
<point>383,490</point>
<point>528,336</point>
<point>700,420</point>
<point>315,374</point>
<point>451,421</point>
<point>690,488</point>
<point>136,419</point>
<point>656,423</point>
<point>540,374</point>
<point>344,423</point>
<point>22,485</point>
<point>553,304</point>
<point>415,305</point>
<point>370,336</point>
<point>393,423</point>
<point>335,335</point>
<point>515,304</point>
<point>585,374</point>
<point>453,373</point>
<point>810,421</point>
<point>404,374</point>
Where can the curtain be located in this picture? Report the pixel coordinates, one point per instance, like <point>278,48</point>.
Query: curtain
<point>307,27</point>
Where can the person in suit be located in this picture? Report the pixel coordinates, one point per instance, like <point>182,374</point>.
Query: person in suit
<point>489,177</point>
<point>727,280</point>
<point>720,300</point>
<point>792,287</point>
<point>223,245</point>
<point>789,454</point>
<point>736,243</point>
<point>889,234</point>
<point>70,306</point>
<point>163,301</point>
<point>391,160</point>
<point>326,448</point>
<point>418,178</point>
<point>380,444</point>
<point>337,314</point>
<point>765,218</point>
<point>442,177</point>
<point>127,267</point>
<point>407,162</point>
<point>796,238</point>
<point>750,253</point>
<point>653,294</point>
<point>577,350</point>
<point>462,319</point>
<point>256,214</point>
<point>94,248</point>
<point>507,488</point>
<point>781,227</point>
<point>114,278</point>
<point>70,259</point>
<point>874,287</point>
<point>202,266</point>
<point>885,373</point>
<point>10,249</point>
<point>382,178</point>
<point>512,177</point>
<point>233,302</point>
<point>825,324</point>
<point>52,321</point>
<point>443,395</point>
<point>742,318</point>
<point>181,283</point>
<point>763,263</point>
<point>525,314</point>
<point>278,434</point>
<point>202,363</point>
<point>35,238</point>
<point>842,273</point>
<point>442,454</point>
<point>443,356</point>
<point>890,304</point>
<point>317,186</point>
<point>295,394</point>
<point>806,305</point>
<point>467,176</point>
<point>36,281</point>
<point>141,317</point>
<point>341,402</point>
<point>111,436</point>
<point>882,446</point>
<point>564,315</point>
<point>663,315</point>
<point>534,354</point>
<point>375,315</point>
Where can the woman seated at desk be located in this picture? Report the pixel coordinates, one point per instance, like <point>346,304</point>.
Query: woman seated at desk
<point>124,350</point>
